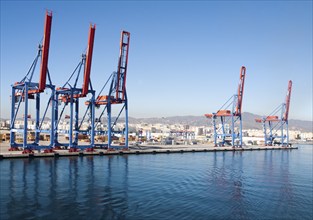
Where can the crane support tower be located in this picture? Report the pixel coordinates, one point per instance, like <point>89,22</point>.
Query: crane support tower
<point>24,91</point>
<point>229,131</point>
<point>274,124</point>
<point>70,95</point>
<point>117,96</point>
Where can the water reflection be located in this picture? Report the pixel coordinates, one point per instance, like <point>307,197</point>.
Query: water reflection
<point>286,190</point>
<point>115,190</point>
<point>228,183</point>
<point>275,170</point>
<point>221,185</point>
<point>237,177</point>
<point>79,185</point>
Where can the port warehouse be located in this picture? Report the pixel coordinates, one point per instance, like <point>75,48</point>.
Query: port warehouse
<point>85,131</point>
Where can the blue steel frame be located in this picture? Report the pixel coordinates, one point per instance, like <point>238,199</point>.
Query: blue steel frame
<point>74,119</point>
<point>273,124</point>
<point>234,120</point>
<point>232,117</point>
<point>20,95</point>
<point>98,120</point>
<point>108,109</point>
<point>271,129</point>
<point>72,99</point>
<point>117,94</point>
<point>124,107</point>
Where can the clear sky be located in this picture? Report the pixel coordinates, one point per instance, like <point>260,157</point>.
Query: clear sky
<point>184,57</point>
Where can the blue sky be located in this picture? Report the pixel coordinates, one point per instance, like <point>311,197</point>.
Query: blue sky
<point>185,56</point>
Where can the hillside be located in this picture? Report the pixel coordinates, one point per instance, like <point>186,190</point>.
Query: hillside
<point>248,121</point>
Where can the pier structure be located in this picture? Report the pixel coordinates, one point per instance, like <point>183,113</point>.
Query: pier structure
<point>135,150</point>
<point>229,114</point>
<point>70,95</point>
<point>26,93</point>
<point>275,125</point>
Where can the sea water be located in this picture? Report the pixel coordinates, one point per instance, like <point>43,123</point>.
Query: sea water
<point>271,184</point>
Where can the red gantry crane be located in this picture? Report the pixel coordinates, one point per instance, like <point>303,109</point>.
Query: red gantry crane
<point>274,124</point>
<point>117,95</point>
<point>70,94</point>
<point>26,90</point>
<point>229,131</point>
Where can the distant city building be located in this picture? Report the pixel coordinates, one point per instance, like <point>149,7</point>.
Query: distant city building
<point>165,133</point>
<point>200,131</point>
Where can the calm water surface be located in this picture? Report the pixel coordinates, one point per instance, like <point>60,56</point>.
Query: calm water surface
<point>222,185</point>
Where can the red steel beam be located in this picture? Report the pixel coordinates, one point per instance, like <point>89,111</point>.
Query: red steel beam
<point>45,52</point>
<point>285,118</point>
<point>240,90</point>
<point>126,61</point>
<point>86,81</point>
<point>122,63</point>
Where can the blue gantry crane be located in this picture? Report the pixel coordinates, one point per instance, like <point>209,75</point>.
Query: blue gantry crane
<point>229,131</point>
<point>26,90</point>
<point>117,96</point>
<point>275,127</point>
<point>70,95</point>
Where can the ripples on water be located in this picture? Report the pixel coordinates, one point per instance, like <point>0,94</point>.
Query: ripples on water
<point>222,185</point>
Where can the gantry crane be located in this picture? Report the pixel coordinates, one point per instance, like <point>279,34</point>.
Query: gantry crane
<point>69,95</point>
<point>232,117</point>
<point>117,94</point>
<point>273,124</point>
<point>26,90</point>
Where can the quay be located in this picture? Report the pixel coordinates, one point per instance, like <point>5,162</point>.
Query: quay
<point>145,149</point>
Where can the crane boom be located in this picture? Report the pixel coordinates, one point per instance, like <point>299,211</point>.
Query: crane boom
<point>86,81</point>
<point>240,90</point>
<point>45,52</point>
<point>122,66</point>
<point>285,118</point>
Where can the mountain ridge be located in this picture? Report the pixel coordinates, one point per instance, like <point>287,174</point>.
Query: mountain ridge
<point>192,120</point>
<point>248,121</point>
